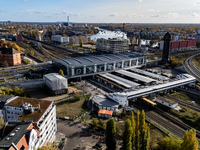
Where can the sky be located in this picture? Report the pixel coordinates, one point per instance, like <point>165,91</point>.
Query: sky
<point>101,11</point>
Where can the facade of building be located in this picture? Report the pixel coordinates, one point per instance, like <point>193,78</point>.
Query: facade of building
<point>20,136</point>
<point>112,45</point>
<point>166,49</point>
<point>166,102</point>
<point>4,99</point>
<point>42,113</point>
<point>60,39</point>
<point>10,57</point>
<point>180,44</point>
<point>56,83</point>
<point>102,102</point>
<point>90,65</point>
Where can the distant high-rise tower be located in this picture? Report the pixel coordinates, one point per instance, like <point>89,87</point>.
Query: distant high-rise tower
<point>167,39</point>
<point>68,19</point>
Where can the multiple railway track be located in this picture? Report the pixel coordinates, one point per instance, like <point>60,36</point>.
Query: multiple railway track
<point>189,105</point>
<point>190,68</point>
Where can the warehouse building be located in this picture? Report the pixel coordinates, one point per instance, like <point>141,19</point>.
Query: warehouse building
<point>91,65</point>
<point>56,83</point>
<point>60,39</point>
<point>115,45</point>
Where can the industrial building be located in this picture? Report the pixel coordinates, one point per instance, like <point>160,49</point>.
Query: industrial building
<point>115,45</point>
<point>91,65</point>
<point>9,57</point>
<point>60,39</point>
<point>56,83</point>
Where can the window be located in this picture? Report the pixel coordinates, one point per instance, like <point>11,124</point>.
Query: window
<point>22,147</point>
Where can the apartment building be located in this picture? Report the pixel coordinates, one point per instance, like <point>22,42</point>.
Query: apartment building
<point>20,136</point>
<point>42,113</point>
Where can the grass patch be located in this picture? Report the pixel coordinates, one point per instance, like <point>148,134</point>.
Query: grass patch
<point>72,107</point>
<point>196,62</point>
<point>189,116</point>
<point>186,97</point>
<point>181,96</point>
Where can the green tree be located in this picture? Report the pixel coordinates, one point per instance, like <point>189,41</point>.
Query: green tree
<point>133,128</point>
<point>61,72</point>
<point>80,41</point>
<point>127,136</point>
<point>102,124</point>
<point>190,141</point>
<point>168,143</point>
<point>94,122</point>
<point>111,134</point>
<point>32,52</point>
<point>137,131</point>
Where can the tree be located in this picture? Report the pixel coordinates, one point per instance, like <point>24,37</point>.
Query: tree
<point>137,132</point>
<point>133,128</point>
<point>32,52</point>
<point>94,122</point>
<point>168,143</point>
<point>50,146</point>
<point>3,41</point>
<point>152,42</point>
<point>139,40</point>
<point>80,41</point>
<point>111,134</point>
<point>16,47</point>
<point>127,136</point>
<point>61,72</point>
<point>102,124</point>
<point>190,141</point>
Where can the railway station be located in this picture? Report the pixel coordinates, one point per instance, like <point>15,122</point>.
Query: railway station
<point>95,64</point>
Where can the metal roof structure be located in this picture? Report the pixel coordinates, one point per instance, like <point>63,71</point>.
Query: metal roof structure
<point>131,83</point>
<point>103,101</point>
<point>136,76</point>
<point>116,81</point>
<point>97,59</point>
<point>54,76</point>
<point>152,75</point>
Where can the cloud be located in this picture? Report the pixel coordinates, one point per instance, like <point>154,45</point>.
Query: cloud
<point>113,15</point>
<point>140,1</point>
<point>198,3</point>
<point>195,15</point>
<point>25,0</point>
<point>155,16</point>
<point>172,14</point>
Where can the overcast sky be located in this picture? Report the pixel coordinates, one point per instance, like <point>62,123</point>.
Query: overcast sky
<point>101,11</point>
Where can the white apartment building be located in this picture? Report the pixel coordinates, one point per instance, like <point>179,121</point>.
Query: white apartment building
<point>42,113</point>
<point>60,39</point>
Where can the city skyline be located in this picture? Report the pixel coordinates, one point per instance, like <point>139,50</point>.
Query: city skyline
<point>105,11</point>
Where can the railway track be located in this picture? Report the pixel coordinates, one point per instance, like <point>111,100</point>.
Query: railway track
<point>197,108</point>
<point>163,122</point>
<point>190,68</point>
<point>179,131</point>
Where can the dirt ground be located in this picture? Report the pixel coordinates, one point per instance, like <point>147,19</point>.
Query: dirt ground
<point>76,137</point>
<point>43,95</point>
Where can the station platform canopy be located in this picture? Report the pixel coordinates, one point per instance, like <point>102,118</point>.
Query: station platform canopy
<point>136,76</point>
<point>153,75</point>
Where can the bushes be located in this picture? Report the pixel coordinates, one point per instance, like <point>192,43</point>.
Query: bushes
<point>13,91</point>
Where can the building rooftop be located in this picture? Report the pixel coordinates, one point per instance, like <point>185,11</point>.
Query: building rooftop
<point>106,112</point>
<point>103,101</point>
<point>166,100</point>
<point>4,98</point>
<point>153,75</point>
<point>15,132</point>
<point>136,76</point>
<point>53,76</point>
<point>97,59</point>
<point>27,116</point>
<point>8,51</point>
